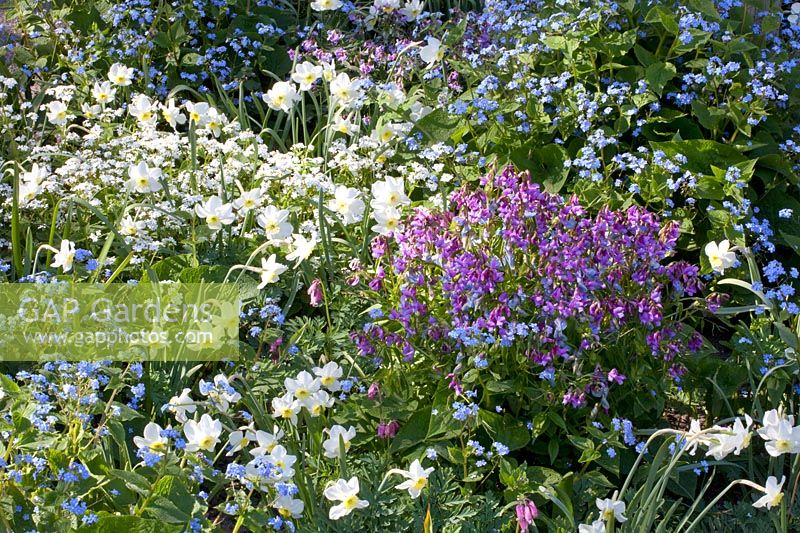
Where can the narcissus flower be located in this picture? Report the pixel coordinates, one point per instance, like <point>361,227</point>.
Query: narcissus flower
<point>329,375</point>
<point>57,112</point>
<point>416,478</point>
<point>611,508</point>
<point>305,74</point>
<point>720,256</point>
<point>347,204</point>
<point>301,248</point>
<point>326,5</point>
<point>120,75</point>
<point>274,222</point>
<point>282,96</point>
<point>215,212</point>
<point>203,435</point>
<point>772,493</point>
<point>781,434</point>
<point>143,179</point>
<point>331,444</point>
<point>65,256</point>
<point>152,439</point>
<point>347,493</point>
<point>103,92</point>
<point>432,52</point>
<point>270,271</point>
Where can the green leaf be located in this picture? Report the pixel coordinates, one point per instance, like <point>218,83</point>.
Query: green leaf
<point>701,154</point>
<point>658,75</point>
<point>438,125</point>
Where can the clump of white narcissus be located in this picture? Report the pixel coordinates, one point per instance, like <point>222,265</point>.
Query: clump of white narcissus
<point>282,180</point>
<point>777,429</point>
<point>270,462</point>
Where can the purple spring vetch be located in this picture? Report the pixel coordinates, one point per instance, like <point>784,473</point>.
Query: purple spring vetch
<point>510,267</point>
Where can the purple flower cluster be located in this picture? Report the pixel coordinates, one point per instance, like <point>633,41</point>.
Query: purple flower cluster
<point>511,265</point>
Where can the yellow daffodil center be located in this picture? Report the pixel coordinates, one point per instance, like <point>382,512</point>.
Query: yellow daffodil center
<point>327,380</point>
<point>286,413</point>
<point>608,514</point>
<point>286,513</point>
<point>206,442</point>
<point>350,502</point>
<point>212,219</point>
<point>158,446</point>
<point>302,394</point>
<point>783,445</point>
<point>420,483</point>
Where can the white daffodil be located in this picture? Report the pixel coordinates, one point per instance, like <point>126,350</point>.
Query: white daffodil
<point>282,96</point>
<point>143,179</point>
<point>331,444</point>
<point>389,193</point>
<point>215,213</point>
<point>386,6</point>
<point>286,407</point>
<point>302,248</point>
<point>267,441</point>
<point>203,435</point>
<point>57,112</point>
<point>416,478</point>
<point>598,526</point>
<point>306,74</point>
<point>120,75</point>
<point>283,460</point>
<point>28,191</point>
<point>418,111</point>
<point>772,493</point>
<point>720,256</point>
<point>386,132</point>
<point>91,111</point>
<point>103,92</point>
<point>412,10</point>
<point>303,386</point>
<point>794,14</point>
<point>214,122</point>
<point>695,437</point>
<point>274,223</point>
<point>143,109</point>
<point>198,113</point>
<point>347,204</point>
<point>734,439</point>
<point>343,90</point>
<point>289,507</point>
<point>781,434</point>
<point>342,124</point>
<point>64,257</point>
<point>347,493</point>
<point>611,509</point>
<point>152,439</point>
<point>388,220</point>
<point>329,375</point>
<point>326,5</point>
<point>432,52</point>
<point>248,200</point>
<point>172,114</point>
<point>270,271</point>
<point>318,402</point>
<point>220,392</point>
<point>241,438</point>
<point>181,405</point>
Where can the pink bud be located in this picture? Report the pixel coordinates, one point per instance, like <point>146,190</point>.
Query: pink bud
<point>373,391</point>
<point>315,293</point>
